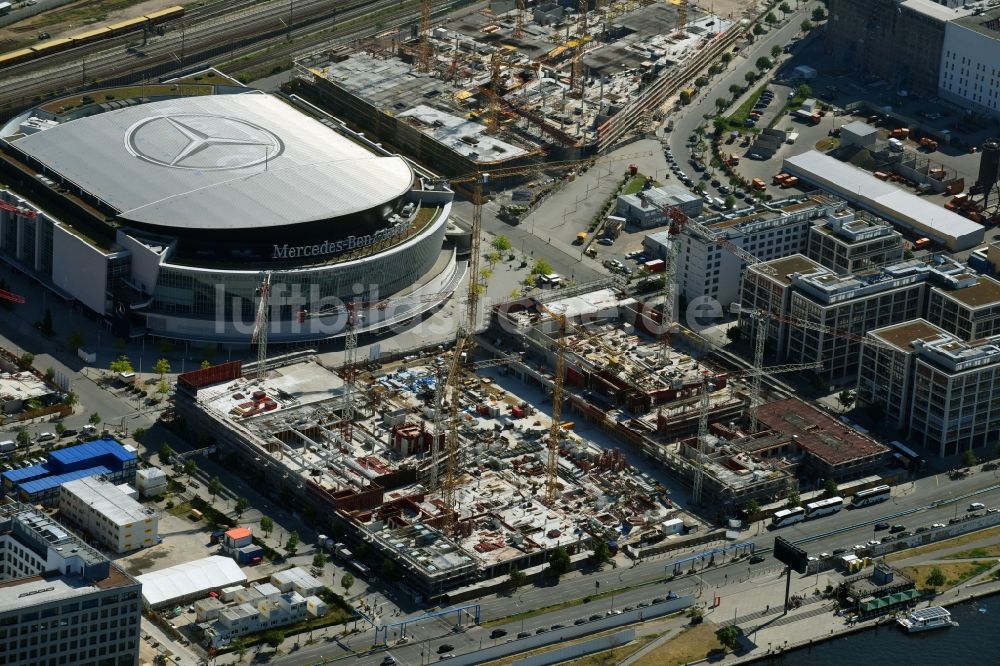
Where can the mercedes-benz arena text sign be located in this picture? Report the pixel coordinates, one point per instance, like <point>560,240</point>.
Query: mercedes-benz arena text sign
<point>287,251</point>
<point>201,142</point>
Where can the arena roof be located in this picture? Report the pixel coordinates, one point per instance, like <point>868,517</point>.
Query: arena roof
<point>218,162</point>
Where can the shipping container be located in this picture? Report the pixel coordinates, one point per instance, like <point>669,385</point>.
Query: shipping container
<point>656,265</point>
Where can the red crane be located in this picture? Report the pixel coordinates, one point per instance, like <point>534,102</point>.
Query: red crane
<point>14,298</point>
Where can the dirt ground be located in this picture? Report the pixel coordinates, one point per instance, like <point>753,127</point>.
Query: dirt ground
<point>77,17</point>
<point>183,541</point>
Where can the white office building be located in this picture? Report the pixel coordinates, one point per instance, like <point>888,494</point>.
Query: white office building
<point>61,601</point>
<point>970,62</point>
<point>108,514</point>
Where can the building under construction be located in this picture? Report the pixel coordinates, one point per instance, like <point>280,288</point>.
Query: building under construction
<point>500,89</point>
<point>380,484</point>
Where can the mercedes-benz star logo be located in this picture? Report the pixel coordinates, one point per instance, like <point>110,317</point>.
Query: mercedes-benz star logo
<point>201,141</point>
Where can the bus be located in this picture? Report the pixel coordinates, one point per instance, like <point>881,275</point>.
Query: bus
<point>871,496</point>
<point>916,462</point>
<point>361,570</point>
<point>824,507</point>
<point>788,517</point>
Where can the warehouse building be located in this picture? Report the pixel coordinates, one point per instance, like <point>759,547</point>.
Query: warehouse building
<point>61,601</point>
<point>109,515</point>
<point>904,209</point>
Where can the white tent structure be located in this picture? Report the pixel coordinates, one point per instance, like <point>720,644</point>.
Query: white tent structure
<point>194,579</point>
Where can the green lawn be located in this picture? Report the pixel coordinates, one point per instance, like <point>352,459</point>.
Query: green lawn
<point>739,117</point>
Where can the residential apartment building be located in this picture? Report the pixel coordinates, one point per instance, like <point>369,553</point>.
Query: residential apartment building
<point>107,514</point>
<point>851,241</point>
<point>885,377</point>
<point>61,601</point>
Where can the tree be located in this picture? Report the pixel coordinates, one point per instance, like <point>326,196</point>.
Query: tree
<point>121,365</point>
<point>685,97</point>
<point>242,504</point>
<point>26,359</point>
<point>727,57</point>
<point>762,64</point>
<point>794,499</point>
<point>559,562</point>
<point>517,579</point>
<point>701,82</point>
<point>163,387</point>
<point>292,544</point>
<point>803,91</point>
<point>95,419</point>
<point>214,487</point>
<point>319,561</point>
<point>729,636</point>
<point>190,466</point>
<point>757,29</point>
<point>776,51</point>
<point>846,399</point>
<point>60,429</point>
<point>240,648</point>
<point>23,438</point>
<point>346,581</point>
<point>494,257</point>
<point>501,243</point>
<point>47,328</point>
<point>601,554</point>
<point>266,525</point>
<point>818,14</point>
<point>830,488</point>
<point>969,458</point>
<point>730,201</point>
<point>806,26</point>
<point>735,88</point>
<point>542,267</point>
<point>714,69</point>
<point>274,638</point>
<point>206,364</point>
<point>485,274</point>
<point>162,367</point>
<point>390,572</point>
<point>750,76</point>
<point>721,103</point>
<point>751,509</point>
<point>164,453</point>
<point>785,9</point>
<point>770,18</point>
<point>935,578</point>
<point>734,333</point>
<point>70,399</point>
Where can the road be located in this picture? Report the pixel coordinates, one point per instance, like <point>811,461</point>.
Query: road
<point>691,116</point>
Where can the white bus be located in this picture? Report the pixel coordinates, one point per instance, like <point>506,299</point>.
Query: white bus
<point>824,507</point>
<point>788,517</point>
<point>871,496</point>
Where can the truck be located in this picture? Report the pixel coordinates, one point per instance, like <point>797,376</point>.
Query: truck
<point>340,550</point>
<point>758,184</point>
<point>921,243</point>
<point>7,446</point>
<point>896,145</point>
<point>792,137</point>
<point>791,181</point>
<point>581,238</point>
<point>656,266</point>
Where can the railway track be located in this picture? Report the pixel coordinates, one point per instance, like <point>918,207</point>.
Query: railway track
<point>116,62</point>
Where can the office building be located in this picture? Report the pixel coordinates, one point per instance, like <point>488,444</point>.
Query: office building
<point>61,601</point>
<point>848,241</point>
<point>969,307</point>
<point>108,515</point>
<point>970,62</point>
<point>951,385</point>
<point>648,208</point>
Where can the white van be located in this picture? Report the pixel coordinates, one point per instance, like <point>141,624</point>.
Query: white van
<point>976,506</point>
<point>46,436</point>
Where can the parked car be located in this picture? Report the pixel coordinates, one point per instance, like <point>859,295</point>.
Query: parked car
<point>604,240</point>
<point>498,633</point>
<point>445,647</point>
<point>595,616</point>
<point>541,630</point>
<point>580,620</point>
<point>523,634</point>
<point>897,528</point>
<point>756,559</point>
<point>976,506</point>
<point>881,526</point>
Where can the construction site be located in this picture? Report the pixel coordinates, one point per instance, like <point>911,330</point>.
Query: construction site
<point>511,84</point>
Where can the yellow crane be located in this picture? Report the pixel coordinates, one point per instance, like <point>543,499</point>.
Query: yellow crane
<point>424,48</point>
<point>555,428</point>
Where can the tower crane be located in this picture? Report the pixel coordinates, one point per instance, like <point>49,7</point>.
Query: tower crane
<point>555,428</point>
<point>261,324</point>
<point>519,20</point>
<point>13,298</point>
<point>424,48</point>
<point>350,374</point>
<point>705,404</point>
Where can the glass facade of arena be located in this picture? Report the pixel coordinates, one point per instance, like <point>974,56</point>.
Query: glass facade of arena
<point>188,292</point>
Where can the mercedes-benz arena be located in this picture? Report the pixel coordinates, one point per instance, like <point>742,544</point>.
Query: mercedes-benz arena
<point>165,217</point>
